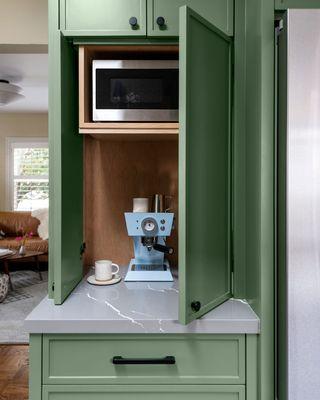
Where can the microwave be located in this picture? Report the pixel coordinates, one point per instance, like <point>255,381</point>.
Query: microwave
<point>135,90</point>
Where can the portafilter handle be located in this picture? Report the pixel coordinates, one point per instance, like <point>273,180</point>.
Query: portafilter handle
<point>163,249</point>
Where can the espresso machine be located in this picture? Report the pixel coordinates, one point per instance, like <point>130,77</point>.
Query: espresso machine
<point>149,231</point>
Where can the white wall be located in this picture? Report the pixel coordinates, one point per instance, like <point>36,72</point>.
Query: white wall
<point>23,21</point>
<point>17,125</point>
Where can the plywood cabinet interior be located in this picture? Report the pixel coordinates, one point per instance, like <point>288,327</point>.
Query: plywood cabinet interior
<point>132,130</point>
<point>114,173</point>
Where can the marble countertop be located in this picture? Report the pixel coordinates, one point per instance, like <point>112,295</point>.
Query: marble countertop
<point>135,307</point>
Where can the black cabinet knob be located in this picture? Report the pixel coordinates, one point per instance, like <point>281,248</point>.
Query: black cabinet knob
<point>195,306</point>
<point>161,21</point>
<point>133,22</point>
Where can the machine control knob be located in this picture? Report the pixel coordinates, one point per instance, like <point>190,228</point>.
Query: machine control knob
<point>195,306</point>
<point>133,22</point>
<point>162,228</point>
<point>163,221</point>
<point>161,21</point>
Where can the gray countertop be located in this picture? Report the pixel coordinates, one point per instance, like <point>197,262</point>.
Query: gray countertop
<point>135,307</point>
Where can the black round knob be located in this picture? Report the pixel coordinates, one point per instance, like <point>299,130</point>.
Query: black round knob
<point>195,306</point>
<point>161,21</point>
<point>133,21</point>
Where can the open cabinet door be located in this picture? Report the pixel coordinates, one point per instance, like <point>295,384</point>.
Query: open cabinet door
<point>66,177</point>
<point>204,166</point>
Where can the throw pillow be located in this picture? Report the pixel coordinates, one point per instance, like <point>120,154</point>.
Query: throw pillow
<point>43,216</point>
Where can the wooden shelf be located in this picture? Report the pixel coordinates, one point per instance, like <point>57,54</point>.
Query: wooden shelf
<point>131,136</point>
<point>120,130</point>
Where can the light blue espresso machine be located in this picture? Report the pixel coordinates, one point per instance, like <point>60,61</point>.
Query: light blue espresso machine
<point>149,231</point>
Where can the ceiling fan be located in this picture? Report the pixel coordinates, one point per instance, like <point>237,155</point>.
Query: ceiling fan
<point>9,92</point>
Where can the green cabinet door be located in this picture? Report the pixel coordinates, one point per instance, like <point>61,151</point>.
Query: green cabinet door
<point>218,12</point>
<point>67,195</point>
<point>148,392</point>
<point>103,17</point>
<point>66,155</point>
<point>204,166</point>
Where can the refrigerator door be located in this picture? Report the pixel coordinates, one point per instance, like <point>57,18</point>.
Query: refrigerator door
<point>303,205</point>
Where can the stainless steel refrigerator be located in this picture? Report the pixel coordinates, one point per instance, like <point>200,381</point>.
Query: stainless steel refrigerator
<point>298,211</point>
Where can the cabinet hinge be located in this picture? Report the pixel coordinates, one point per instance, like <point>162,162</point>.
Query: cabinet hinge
<point>82,249</point>
<point>232,282</point>
<point>232,251</point>
<point>52,287</point>
<point>278,25</point>
<point>232,262</point>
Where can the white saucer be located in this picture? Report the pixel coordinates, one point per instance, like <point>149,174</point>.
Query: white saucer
<point>91,279</point>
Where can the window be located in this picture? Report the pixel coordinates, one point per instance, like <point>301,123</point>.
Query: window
<point>28,173</point>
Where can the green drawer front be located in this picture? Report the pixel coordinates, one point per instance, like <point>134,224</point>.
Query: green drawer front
<point>103,17</point>
<point>144,393</point>
<point>200,359</point>
<point>218,12</point>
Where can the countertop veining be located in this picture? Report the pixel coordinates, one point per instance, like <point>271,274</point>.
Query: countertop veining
<point>135,307</point>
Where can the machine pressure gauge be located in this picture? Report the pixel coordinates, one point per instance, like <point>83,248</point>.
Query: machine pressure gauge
<point>149,226</point>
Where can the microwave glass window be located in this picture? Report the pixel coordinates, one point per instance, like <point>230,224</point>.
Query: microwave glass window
<point>137,89</point>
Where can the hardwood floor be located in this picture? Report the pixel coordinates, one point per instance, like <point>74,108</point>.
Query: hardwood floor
<point>14,362</point>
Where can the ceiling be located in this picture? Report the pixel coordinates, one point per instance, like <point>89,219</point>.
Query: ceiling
<point>30,72</point>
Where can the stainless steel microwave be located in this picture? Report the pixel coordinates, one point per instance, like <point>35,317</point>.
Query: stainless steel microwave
<point>135,90</point>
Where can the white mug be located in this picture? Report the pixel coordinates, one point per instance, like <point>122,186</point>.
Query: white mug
<point>103,270</point>
<point>141,204</point>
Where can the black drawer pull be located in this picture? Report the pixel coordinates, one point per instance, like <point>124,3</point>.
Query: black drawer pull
<point>118,360</point>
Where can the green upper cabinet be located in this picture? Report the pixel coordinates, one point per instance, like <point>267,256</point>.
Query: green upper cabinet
<point>204,166</point>
<point>103,17</point>
<point>163,15</point>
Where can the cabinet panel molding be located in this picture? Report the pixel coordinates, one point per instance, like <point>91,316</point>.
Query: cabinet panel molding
<point>103,17</point>
<point>204,166</point>
<point>35,371</point>
<point>200,359</point>
<point>186,392</point>
<point>218,12</point>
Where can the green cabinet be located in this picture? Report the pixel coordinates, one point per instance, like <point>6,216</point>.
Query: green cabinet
<point>163,15</point>
<point>204,166</point>
<point>66,155</point>
<point>79,366</point>
<point>103,17</point>
<point>152,17</point>
<point>167,392</point>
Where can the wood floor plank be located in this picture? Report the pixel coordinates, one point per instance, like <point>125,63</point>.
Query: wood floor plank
<point>14,367</point>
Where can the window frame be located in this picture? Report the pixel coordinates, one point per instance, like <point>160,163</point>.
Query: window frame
<point>11,144</point>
